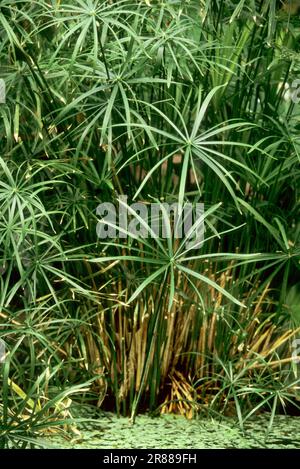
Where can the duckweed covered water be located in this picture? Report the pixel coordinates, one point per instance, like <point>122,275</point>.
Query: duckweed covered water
<point>176,432</point>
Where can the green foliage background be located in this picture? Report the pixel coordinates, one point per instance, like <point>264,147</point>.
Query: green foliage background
<point>176,101</point>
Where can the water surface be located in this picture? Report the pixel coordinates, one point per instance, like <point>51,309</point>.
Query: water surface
<point>171,431</point>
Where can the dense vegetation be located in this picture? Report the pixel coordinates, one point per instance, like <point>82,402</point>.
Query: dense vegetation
<point>175,101</point>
